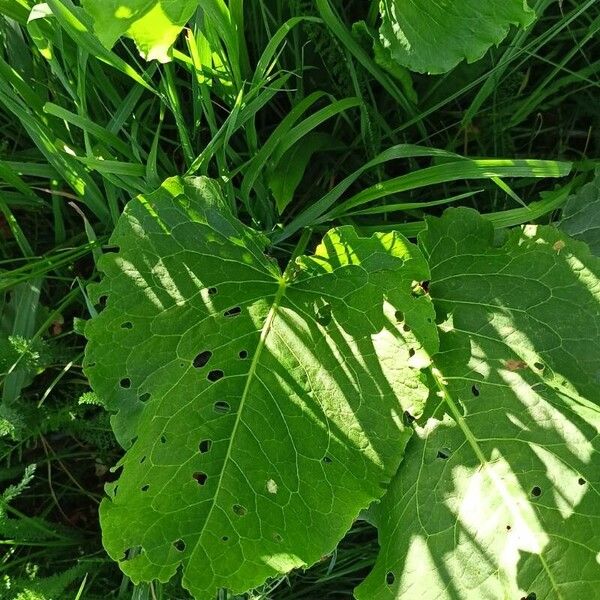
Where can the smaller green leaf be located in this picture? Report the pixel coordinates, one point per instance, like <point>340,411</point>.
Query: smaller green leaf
<point>581,215</point>
<point>153,24</point>
<point>286,176</point>
<point>39,31</point>
<point>433,37</point>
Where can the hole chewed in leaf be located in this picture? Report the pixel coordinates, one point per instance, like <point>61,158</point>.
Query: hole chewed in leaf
<point>444,453</point>
<point>145,488</point>
<point>420,288</point>
<point>539,366</point>
<point>536,491</point>
<point>132,552</point>
<point>127,325</point>
<point>179,545</point>
<point>213,291</point>
<point>125,383</point>
<point>221,407</point>
<point>215,375</point>
<point>145,397</point>
<point>327,460</point>
<point>581,481</point>
<point>233,312</point>
<point>200,477</point>
<point>243,355</point>
<point>163,439</point>
<point>225,538</point>
<point>390,578</point>
<point>277,537</point>
<point>407,418</point>
<point>475,390</point>
<point>201,359</point>
<point>239,510</point>
<point>323,315</point>
<point>204,446</point>
<point>399,316</point>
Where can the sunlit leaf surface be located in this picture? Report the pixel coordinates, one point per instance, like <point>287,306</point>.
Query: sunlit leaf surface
<point>153,24</point>
<point>499,493</point>
<point>433,37</point>
<point>261,411</point>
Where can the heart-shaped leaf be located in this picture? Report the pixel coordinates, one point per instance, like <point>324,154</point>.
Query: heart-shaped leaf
<point>261,410</point>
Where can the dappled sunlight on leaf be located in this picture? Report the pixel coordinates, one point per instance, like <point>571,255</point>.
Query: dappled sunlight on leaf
<point>545,415</point>
<point>501,484</point>
<point>566,495</point>
<point>260,411</point>
<point>581,215</point>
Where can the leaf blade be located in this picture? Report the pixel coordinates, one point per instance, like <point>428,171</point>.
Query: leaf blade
<point>275,400</point>
<point>581,215</point>
<point>498,491</point>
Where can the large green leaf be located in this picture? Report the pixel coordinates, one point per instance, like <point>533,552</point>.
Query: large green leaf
<point>499,493</point>
<point>262,411</point>
<point>433,37</point>
<point>581,215</point>
<point>153,24</point>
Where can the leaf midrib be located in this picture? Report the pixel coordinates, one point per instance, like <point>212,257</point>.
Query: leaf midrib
<point>249,380</point>
<point>473,442</point>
